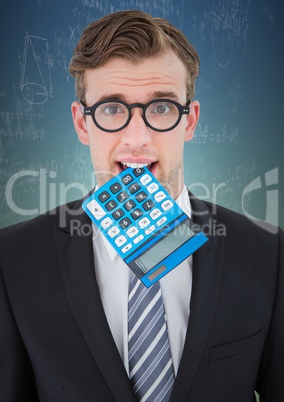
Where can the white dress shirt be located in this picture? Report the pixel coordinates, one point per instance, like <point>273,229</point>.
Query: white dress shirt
<point>113,277</point>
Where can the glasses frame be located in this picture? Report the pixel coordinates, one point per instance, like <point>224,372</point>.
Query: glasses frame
<point>90,111</point>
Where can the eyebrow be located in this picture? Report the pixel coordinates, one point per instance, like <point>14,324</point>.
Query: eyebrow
<point>151,95</point>
<point>164,94</point>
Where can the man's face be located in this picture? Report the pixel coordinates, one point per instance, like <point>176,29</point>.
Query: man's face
<point>162,152</point>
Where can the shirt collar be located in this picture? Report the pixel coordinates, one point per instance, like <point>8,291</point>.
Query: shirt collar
<point>182,201</point>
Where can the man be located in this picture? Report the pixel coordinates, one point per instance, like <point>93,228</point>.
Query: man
<point>64,293</point>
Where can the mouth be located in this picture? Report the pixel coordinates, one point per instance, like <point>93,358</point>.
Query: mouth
<point>124,165</point>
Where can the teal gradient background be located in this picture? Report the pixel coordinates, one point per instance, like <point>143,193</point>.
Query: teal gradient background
<point>239,139</point>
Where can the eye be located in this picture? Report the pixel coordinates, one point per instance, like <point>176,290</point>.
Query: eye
<point>113,109</point>
<point>161,108</point>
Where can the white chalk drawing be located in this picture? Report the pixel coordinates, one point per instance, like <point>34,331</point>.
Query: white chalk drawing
<point>36,83</point>
<point>203,135</point>
<point>229,28</point>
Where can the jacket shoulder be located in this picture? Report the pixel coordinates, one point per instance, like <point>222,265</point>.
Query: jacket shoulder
<point>39,230</point>
<point>235,223</point>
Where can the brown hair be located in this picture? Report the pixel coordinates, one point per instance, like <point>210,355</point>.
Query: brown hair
<point>132,35</point>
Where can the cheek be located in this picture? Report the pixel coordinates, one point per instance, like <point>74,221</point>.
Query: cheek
<point>172,144</point>
<point>100,155</point>
<point>100,145</point>
<point>98,151</point>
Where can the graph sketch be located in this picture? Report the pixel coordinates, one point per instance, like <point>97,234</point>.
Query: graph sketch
<point>229,27</point>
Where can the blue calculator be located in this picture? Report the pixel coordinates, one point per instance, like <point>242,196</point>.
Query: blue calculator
<point>143,223</point>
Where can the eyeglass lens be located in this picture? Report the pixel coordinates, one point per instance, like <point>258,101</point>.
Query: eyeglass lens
<point>159,115</point>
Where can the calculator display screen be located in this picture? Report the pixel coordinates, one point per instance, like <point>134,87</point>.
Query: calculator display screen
<point>169,243</point>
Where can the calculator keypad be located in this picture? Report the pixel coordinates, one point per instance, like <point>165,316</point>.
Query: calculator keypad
<point>136,206</point>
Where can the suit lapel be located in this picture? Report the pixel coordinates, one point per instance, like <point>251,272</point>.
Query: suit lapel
<point>207,275</point>
<point>75,253</point>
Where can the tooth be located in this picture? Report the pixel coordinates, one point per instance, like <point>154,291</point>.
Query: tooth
<point>135,165</point>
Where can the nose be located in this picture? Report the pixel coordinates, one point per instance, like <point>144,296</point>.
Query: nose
<point>136,134</point>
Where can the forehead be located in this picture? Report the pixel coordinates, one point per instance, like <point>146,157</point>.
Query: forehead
<point>137,80</point>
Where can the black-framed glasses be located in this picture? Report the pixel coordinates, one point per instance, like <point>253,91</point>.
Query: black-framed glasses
<point>112,115</point>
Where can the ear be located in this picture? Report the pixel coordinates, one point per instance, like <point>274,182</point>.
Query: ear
<point>79,123</point>
<point>192,120</point>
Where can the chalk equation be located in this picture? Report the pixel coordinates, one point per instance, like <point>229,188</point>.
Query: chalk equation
<point>226,135</point>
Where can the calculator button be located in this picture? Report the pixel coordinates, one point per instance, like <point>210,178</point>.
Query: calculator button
<point>152,188</point>
<point>120,240</point>
<point>166,205</point>
<point>160,196</point>
<point>134,188</point>
<point>136,214</point>
<point>111,205</point>
<point>127,179</point>
<point>122,196</point>
<point>113,231</point>
<point>129,205</point>
<point>161,221</point>
<point>124,223</point>
<point>150,229</point>
<point>143,223</point>
<point>96,209</point>
<point>131,232</point>
<point>106,223</point>
<point>117,214</point>
<point>146,179</point>
<point>126,248</point>
<point>115,188</point>
<point>138,239</point>
<point>138,171</point>
<point>155,213</point>
<point>147,205</point>
<point>104,196</point>
<point>141,196</point>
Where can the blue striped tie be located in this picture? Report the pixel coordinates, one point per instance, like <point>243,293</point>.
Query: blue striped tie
<point>150,361</point>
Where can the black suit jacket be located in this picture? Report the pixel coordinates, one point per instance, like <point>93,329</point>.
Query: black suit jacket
<point>55,343</point>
